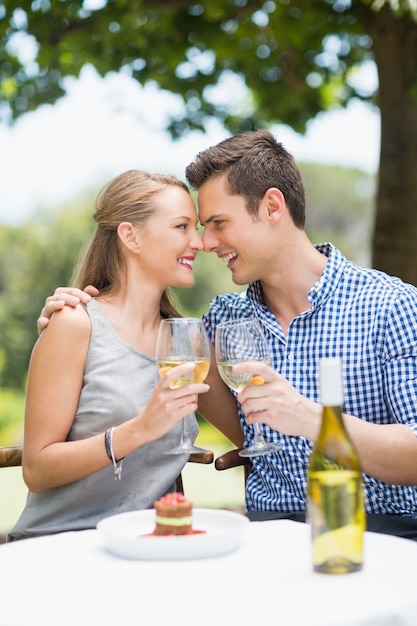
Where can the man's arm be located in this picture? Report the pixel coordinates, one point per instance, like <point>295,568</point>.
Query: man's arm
<point>219,407</point>
<point>388,452</point>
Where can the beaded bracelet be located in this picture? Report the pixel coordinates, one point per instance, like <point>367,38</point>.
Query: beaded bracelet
<point>117,464</point>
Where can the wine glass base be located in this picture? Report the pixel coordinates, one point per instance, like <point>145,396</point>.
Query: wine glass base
<point>186,448</point>
<point>260,449</point>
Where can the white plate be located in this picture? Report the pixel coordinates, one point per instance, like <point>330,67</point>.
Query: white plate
<point>125,535</point>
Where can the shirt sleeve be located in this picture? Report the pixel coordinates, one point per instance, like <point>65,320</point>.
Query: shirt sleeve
<point>400,357</point>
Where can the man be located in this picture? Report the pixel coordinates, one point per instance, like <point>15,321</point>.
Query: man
<point>311,302</point>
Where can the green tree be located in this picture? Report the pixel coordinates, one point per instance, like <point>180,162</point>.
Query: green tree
<point>295,58</point>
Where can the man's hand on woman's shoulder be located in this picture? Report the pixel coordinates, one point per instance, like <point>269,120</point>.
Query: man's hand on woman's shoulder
<point>62,296</point>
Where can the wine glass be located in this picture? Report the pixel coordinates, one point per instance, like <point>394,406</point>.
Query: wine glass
<point>236,342</point>
<point>182,339</point>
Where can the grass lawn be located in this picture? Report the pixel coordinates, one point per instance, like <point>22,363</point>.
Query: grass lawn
<point>203,484</point>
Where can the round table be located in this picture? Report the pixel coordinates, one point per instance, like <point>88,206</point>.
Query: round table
<point>71,578</point>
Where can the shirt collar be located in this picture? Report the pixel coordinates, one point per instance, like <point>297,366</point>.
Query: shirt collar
<point>325,285</point>
<point>332,273</point>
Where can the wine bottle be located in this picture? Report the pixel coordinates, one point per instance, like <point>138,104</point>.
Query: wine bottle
<point>335,493</point>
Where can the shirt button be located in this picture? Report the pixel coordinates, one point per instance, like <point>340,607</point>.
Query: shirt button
<point>291,357</point>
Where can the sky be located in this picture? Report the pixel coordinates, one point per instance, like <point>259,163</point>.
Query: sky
<point>103,127</point>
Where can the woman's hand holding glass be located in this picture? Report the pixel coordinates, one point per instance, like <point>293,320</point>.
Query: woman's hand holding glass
<point>170,403</point>
<point>183,340</point>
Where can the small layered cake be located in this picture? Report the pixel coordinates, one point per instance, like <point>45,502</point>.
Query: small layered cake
<point>173,515</point>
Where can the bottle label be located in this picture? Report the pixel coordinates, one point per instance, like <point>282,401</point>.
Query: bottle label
<point>337,520</point>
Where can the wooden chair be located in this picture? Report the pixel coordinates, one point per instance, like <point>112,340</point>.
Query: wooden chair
<point>232,459</point>
<point>12,457</point>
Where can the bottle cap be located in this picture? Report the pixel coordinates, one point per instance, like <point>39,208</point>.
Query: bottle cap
<point>331,382</point>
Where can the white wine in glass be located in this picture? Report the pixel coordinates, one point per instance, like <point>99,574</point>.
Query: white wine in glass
<point>238,381</point>
<point>180,340</point>
<point>237,342</point>
<point>198,375</point>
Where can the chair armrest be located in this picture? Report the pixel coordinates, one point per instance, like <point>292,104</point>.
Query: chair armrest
<point>11,457</point>
<point>205,457</point>
<point>231,459</point>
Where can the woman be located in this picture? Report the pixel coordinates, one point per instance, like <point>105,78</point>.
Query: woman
<point>94,396</point>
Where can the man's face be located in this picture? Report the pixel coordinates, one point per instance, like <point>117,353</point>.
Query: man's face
<point>230,231</point>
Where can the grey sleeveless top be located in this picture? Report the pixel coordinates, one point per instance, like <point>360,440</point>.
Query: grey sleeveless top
<point>118,381</point>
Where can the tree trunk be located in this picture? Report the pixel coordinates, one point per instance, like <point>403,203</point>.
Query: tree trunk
<point>394,248</point>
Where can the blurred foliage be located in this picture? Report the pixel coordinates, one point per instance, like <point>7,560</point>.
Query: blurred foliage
<point>340,206</point>
<point>11,417</point>
<point>39,256</point>
<point>243,62</point>
<point>34,259</point>
<point>296,58</point>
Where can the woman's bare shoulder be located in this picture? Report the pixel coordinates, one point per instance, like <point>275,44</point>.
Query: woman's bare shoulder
<point>69,322</point>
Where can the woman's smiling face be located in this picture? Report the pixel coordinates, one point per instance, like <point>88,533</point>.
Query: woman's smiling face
<point>169,240</point>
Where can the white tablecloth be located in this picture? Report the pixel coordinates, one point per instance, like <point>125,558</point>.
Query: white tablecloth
<point>70,579</point>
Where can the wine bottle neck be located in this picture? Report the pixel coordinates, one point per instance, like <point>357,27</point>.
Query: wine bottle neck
<point>332,416</point>
<point>331,382</point>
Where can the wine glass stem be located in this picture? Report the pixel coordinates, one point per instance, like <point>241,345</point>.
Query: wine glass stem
<point>258,437</point>
<point>185,437</point>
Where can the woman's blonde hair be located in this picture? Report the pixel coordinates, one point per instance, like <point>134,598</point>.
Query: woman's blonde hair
<point>127,198</point>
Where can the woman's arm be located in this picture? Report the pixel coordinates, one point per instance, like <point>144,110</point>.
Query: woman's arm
<point>218,406</point>
<point>55,381</point>
<point>54,385</point>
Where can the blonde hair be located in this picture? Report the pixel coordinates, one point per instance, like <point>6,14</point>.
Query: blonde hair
<point>127,198</point>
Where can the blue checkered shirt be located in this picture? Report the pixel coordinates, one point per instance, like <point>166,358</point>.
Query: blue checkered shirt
<point>368,319</point>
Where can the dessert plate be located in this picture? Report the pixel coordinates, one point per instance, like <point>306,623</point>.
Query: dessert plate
<point>128,535</point>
